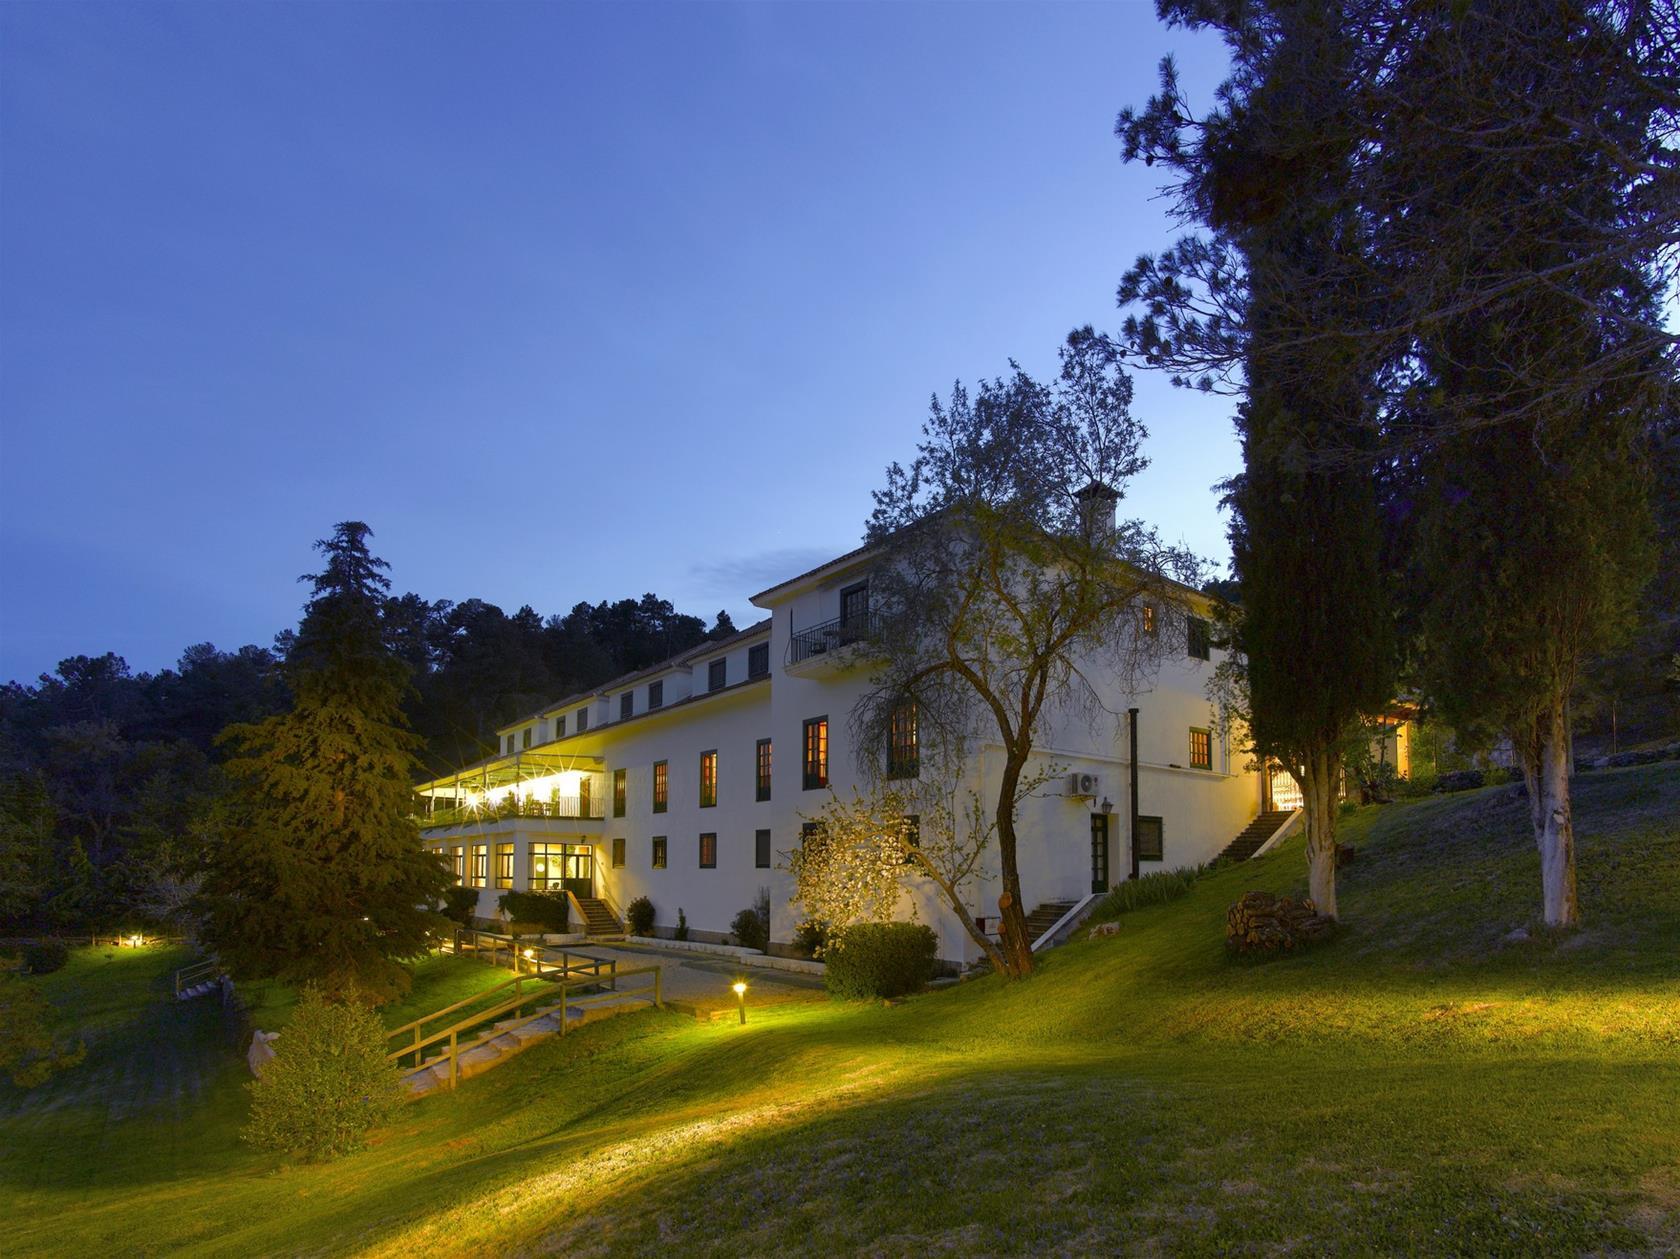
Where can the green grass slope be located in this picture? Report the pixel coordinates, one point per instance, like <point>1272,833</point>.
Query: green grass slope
<point>1426,1085</point>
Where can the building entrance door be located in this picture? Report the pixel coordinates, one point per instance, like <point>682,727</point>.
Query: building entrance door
<point>577,870</point>
<point>1099,852</point>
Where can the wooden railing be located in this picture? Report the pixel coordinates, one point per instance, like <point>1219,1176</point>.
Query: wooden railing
<point>197,973</point>
<point>529,958</point>
<point>548,997</point>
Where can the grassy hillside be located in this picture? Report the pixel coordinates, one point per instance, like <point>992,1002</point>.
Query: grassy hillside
<point>1426,1084</point>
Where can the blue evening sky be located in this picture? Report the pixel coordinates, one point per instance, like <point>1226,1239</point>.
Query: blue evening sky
<point>567,302</point>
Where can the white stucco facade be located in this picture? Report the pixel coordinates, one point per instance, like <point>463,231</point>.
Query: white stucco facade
<point>768,691</point>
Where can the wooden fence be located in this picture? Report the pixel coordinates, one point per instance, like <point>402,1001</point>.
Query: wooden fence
<point>547,995</point>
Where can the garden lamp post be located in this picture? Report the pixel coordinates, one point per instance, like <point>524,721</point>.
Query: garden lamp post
<point>740,987</point>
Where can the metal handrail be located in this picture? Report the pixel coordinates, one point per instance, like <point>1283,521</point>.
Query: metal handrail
<point>843,631</point>
<point>564,808</point>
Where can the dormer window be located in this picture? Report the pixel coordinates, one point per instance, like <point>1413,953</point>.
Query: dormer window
<point>626,705</point>
<point>582,720</point>
<point>560,726</point>
<point>656,694</point>
<point>525,736</point>
<point>717,674</point>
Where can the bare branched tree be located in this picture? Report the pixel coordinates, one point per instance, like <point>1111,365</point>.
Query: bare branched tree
<point>1006,595</point>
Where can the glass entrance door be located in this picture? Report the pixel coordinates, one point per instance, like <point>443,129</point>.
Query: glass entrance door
<point>1099,852</point>
<point>567,866</point>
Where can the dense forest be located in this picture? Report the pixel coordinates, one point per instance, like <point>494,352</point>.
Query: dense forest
<point>110,780</point>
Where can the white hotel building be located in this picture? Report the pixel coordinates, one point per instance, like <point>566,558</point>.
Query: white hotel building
<point>688,782</point>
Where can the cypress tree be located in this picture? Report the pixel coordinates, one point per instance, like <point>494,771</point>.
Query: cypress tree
<point>320,877</point>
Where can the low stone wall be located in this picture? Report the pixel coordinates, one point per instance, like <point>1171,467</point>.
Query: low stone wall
<point>747,957</point>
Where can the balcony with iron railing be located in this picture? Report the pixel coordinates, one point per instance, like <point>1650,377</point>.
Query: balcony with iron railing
<point>557,808</point>
<point>829,637</point>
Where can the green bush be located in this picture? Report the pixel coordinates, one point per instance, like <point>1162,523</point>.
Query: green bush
<point>45,956</point>
<point>751,927</point>
<point>1149,889</point>
<point>810,938</point>
<point>549,910</point>
<point>880,959</point>
<point>639,914</point>
<point>327,1084</point>
<point>459,905</point>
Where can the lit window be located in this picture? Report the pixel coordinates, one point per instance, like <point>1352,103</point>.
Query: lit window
<point>1201,749</point>
<point>1149,625</point>
<point>903,754</point>
<point>763,761</point>
<point>661,785</point>
<point>460,867</point>
<point>480,866</point>
<point>708,779</point>
<point>708,850</point>
<point>816,753</point>
<point>658,852</point>
<point>504,865</point>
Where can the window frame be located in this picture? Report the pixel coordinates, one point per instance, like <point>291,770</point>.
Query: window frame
<point>763,766</point>
<point>504,866</point>
<point>717,674</point>
<point>620,791</point>
<point>702,853</point>
<point>758,660</point>
<point>904,755</point>
<point>1160,829</point>
<point>660,853</point>
<point>480,866</point>
<point>761,849</point>
<point>582,720</point>
<point>656,695</point>
<point>1198,634</point>
<point>709,779</point>
<point>1207,738</point>
<point>617,858</point>
<point>661,786</point>
<point>814,775</point>
<point>627,705</point>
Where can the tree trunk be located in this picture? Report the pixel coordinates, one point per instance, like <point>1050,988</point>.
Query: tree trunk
<point>1318,799</point>
<point>1017,949</point>
<point>1554,827</point>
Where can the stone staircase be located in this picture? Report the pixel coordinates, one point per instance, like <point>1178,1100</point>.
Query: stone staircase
<point>1257,833</point>
<point>200,989</point>
<point>599,921</point>
<point>513,1036</point>
<point>1046,916</point>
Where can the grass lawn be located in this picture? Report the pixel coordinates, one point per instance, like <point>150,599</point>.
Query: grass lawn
<point>1421,1085</point>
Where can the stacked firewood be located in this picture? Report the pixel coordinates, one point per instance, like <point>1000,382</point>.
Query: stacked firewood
<point>1262,923</point>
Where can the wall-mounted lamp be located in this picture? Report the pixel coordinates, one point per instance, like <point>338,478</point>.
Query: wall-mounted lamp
<point>1107,805</point>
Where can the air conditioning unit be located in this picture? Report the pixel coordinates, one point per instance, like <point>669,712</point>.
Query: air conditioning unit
<point>1082,784</point>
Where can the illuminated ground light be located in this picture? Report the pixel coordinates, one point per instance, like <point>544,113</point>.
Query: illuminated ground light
<point>740,987</point>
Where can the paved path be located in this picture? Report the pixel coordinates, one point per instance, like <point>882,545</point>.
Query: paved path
<point>702,981</point>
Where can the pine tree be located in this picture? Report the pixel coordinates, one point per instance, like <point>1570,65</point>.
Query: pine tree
<point>321,877</point>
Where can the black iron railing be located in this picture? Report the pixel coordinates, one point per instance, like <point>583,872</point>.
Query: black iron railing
<point>831,636</point>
